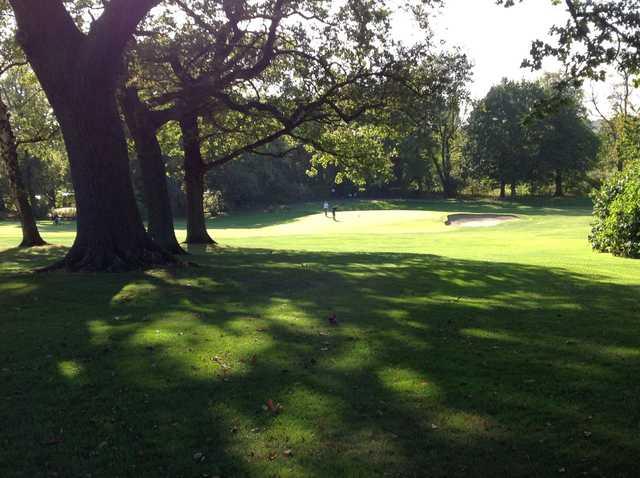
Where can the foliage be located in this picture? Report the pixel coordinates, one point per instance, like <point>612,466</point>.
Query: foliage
<point>213,203</point>
<point>616,228</point>
<point>597,35</point>
<point>500,142</point>
<point>41,152</point>
<point>427,117</point>
<point>510,140</point>
<point>357,152</point>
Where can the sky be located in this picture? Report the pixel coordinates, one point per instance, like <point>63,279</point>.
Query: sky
<point>497,39</point>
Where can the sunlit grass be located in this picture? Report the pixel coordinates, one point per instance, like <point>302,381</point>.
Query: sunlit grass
<point>503,351</point>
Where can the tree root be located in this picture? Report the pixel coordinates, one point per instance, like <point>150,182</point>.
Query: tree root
<point>96,259</point>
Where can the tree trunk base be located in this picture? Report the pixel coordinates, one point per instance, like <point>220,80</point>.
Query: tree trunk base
<point>200,239</point>
<point>176,250</point>
<point>95,259</point>
<point>170,245</point>
<point>25,244</point>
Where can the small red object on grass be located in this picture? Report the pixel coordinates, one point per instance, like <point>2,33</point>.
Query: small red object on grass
<point>274,407</point>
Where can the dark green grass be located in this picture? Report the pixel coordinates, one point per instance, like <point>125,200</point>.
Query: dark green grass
<point>440,367</point>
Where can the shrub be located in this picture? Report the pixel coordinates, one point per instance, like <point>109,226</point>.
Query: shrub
<point>616,228</point>
<point>213,203</point>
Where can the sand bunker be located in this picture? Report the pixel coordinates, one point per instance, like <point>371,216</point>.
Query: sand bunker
<point>478,220</point>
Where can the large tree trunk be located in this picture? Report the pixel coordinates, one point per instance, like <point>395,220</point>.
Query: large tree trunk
<point>559,189</point>
<point>111,235</point>
<point>78,72</point>
<point>8,152</point>
<point>154,175</point>
<point>194,172</point>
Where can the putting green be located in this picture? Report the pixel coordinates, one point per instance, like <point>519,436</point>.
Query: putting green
<point>349,222</point>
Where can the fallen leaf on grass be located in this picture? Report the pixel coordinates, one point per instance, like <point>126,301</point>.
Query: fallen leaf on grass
<point>273,407</point>
<point>54,441</point>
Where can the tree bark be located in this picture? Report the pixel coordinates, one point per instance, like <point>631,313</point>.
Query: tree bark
<point>194,172</point>
<point>559,189</point>
<point>154,176</point>
<point>503,190</point>
<point>8,151</point>
<point>78,72</point>
<point>111,235</point>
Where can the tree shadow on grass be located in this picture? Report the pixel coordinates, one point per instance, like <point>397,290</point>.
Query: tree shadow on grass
<point>19,260</point>
<point>439,367</point>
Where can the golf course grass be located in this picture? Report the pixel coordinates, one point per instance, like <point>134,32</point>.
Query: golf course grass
<point>503,351</point>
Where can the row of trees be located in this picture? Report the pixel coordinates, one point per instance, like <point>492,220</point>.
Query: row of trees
<point>227,78</point>
<point>213,82</point>
<point>511,141</point>
<point>426,146</point>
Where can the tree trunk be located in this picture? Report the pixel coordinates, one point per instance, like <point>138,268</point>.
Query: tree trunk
<point>194,172</point>
<point>503,189</point>
<point>79,72</point>
<point>513,190</point>
<point>8,151</point>
<point>154,176</point>
<point>559,190</point>
<point>448,188</point>
<point>111,235</point>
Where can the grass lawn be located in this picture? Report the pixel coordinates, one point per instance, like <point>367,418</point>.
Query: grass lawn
<point>508,351</point>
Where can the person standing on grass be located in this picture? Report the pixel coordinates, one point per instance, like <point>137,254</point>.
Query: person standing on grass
<point>333,211</point>
<point>325,206</point>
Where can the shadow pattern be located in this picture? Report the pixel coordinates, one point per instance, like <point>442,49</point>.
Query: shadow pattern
<point>438,367</point>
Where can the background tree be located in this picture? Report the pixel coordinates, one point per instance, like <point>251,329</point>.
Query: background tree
<point>429,110</point>
<point>568,146</point>
<point>501,143</point>
<point>620,127</point>
<point>40,147</point>
<point>10,59</point>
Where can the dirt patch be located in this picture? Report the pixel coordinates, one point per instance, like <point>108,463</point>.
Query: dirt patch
<point>478,220</point>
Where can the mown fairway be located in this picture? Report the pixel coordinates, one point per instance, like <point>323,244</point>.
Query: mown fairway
<point>505,351</point>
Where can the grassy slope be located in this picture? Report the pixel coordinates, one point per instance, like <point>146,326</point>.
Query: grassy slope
<point>506,351</point>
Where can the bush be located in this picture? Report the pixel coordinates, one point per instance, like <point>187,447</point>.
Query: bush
<point>213,203</point>
<point>617,214</point>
